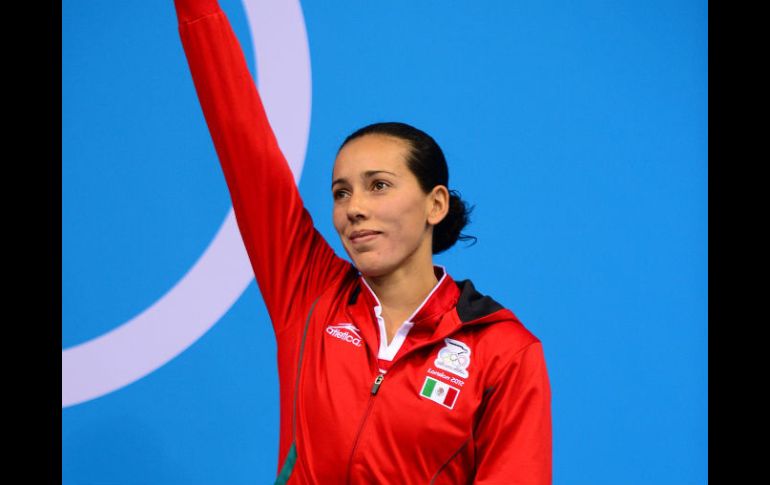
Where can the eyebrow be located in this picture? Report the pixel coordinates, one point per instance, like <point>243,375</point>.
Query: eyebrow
<point>365,175</point>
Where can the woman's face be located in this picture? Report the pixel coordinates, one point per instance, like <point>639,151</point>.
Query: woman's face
<point>377,196</point>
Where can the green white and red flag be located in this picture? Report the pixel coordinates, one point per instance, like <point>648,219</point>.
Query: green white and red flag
<point>439,392</point>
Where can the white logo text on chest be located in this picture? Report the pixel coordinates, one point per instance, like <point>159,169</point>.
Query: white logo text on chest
<point>347,332</point>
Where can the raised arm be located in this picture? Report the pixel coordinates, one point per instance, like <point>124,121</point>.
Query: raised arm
<point>291,260</point>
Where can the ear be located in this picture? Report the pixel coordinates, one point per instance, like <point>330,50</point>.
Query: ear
<point>438,204</point>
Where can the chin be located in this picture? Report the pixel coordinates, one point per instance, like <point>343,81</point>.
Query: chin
<point>370,268</point>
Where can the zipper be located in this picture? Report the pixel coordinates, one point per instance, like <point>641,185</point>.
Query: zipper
<point>377,382</point>
<point>373,393</point>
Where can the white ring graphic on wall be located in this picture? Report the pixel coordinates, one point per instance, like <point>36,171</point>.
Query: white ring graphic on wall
<point>223,272</point>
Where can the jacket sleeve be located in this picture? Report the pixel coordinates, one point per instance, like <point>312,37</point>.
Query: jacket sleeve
<point>291,261</point>
<point>513,437</point>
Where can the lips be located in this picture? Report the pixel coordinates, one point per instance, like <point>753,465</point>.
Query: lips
<point>362,235</point>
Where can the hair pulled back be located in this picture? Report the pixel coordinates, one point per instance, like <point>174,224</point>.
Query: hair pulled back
<point>426,161</point>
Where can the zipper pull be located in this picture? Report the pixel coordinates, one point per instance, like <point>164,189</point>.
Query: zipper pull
<point>377,382</point>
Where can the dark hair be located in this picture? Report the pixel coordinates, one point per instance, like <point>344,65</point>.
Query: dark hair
<point>426,161</point>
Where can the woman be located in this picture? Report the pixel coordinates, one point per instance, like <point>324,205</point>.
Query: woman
<point>390,371</point>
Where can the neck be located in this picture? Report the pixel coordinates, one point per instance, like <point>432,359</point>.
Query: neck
<point>405,288</point>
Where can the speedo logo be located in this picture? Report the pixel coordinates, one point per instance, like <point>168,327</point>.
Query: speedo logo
<point>346,332</point>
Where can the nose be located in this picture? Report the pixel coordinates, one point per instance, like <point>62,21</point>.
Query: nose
<point>356,207</point>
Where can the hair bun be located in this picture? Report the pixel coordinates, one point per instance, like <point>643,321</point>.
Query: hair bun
<point>447,232</point>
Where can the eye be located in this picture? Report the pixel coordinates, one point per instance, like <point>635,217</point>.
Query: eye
<point>380,183</point>
<point>338,194</point>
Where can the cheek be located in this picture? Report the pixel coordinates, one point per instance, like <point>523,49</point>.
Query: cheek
<point>408,218</point>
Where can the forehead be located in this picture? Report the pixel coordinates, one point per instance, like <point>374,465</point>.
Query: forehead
<point>371,152</point>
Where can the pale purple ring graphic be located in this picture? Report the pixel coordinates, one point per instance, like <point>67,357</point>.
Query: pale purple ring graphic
<point>223,272</point>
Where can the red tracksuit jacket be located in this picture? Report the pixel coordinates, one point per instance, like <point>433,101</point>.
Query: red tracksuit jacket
<point>461,394</point>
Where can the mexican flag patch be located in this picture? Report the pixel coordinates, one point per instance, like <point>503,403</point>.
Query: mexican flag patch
<point>439,392</point>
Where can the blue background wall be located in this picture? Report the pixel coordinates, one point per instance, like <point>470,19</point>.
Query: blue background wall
<point>579,131</point>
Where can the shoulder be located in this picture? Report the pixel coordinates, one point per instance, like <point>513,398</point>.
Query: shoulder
<point>488,318</point>
<point>494,332</point>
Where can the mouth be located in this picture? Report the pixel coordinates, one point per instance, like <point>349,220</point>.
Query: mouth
<point>363,236</point>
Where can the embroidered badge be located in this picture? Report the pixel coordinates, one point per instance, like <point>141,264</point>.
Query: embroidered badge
<point>440,392</point>
<point>454,357</point>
